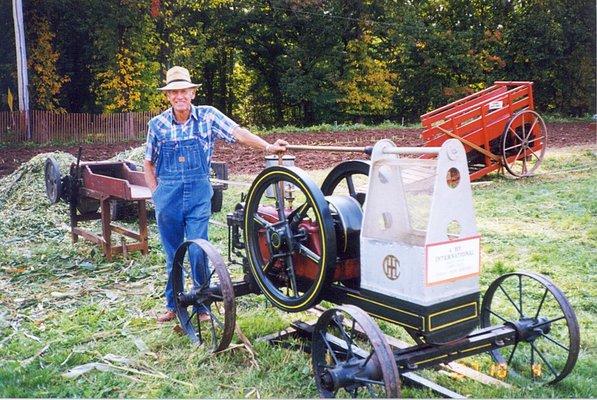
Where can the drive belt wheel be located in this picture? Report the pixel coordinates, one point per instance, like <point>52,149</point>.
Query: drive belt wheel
<point>53,180</point>
<point>290,237</point>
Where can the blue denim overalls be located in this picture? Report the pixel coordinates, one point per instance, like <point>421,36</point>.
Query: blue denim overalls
<point>183,204</point>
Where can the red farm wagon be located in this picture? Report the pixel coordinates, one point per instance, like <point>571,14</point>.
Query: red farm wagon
<point>498,127</point>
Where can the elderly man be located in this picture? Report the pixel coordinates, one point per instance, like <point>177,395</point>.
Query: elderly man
<point>180,144</point>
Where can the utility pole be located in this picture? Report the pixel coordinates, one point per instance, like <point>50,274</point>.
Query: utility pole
<point>22,80</point>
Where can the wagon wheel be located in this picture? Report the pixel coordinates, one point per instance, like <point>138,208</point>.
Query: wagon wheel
<point>351,356</point>
<point>523,143</point>
<point>53,180</point>
<point>549,338</point>
<point>349,178</point>
<point>290,237</point>
<point>215,294</point>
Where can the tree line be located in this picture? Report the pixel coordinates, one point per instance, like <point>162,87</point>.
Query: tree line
<point>302,62</point>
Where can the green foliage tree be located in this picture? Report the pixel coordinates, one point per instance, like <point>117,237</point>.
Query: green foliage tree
<point>271,62</point>
<point>553,44</point>
<point>127,81</point>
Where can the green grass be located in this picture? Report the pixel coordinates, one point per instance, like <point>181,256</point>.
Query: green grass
<point>67,299</point>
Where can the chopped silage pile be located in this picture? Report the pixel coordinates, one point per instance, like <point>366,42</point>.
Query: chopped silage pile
<point>136,155</point>
<point>44,277</point>
<point>68,314</point>
<point>25,211</point>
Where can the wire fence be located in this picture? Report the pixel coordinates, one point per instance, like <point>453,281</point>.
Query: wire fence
<point>47,126</point>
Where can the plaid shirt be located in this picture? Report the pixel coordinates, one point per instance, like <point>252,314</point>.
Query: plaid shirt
<point>206,123</point>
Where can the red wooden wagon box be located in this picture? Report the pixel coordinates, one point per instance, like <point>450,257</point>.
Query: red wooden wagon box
<point>498,127</point>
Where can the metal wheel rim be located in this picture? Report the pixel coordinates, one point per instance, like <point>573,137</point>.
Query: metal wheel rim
<point>531,121</point>
<point>53,180</point>
<point>567,315</point>
<point>381,353</point>
<point>226,303</point>
<point>252,225</point>
<point>344,172</point>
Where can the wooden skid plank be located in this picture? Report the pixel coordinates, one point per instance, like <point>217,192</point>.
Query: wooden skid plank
<point>280,335</point>
<point>474,374</point>
<point>413,379</point>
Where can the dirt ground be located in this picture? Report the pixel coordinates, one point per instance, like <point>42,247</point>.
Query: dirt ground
<point>243,160</point>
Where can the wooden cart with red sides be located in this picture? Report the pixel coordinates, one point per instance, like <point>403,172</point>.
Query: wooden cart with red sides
<point>497,126</point>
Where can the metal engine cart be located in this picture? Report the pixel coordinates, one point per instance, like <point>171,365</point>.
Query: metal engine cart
<point>405,251</point>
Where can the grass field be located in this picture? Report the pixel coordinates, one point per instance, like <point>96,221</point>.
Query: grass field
<point>63,306</point>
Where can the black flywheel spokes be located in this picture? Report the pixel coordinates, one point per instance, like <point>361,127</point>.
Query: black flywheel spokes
<point>205,305</point>
<point>290,237</point>
<point>549,339</point>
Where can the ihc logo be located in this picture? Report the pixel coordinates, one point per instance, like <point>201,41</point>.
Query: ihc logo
<point>391,267</point>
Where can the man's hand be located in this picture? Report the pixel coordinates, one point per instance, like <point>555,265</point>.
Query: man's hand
<point>150,179</point>
<point>278,147</point>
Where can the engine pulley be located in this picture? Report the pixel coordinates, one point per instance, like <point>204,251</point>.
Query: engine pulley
<point>348,217</point>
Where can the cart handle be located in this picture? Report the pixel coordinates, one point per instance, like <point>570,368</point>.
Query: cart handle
<point>471,144</point>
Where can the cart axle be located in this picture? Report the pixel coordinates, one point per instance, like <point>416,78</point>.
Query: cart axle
<point>480,341</point>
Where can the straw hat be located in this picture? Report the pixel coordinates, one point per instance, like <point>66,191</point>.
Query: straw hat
<point>178,78</point>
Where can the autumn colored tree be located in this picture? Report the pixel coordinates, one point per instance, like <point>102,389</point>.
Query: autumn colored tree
<point>45,81</point>
<point>368,86</point>
<point>128,79</point>
<point>130,85</point>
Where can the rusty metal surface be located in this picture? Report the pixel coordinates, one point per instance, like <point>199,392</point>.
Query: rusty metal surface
<point>370,370</point>
<point>216,295</point>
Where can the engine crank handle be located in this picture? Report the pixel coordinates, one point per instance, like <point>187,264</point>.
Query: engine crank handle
<point>366,149</point>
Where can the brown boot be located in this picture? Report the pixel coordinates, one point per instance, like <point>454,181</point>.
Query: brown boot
<point>166,317</point>
<point>203,317</point>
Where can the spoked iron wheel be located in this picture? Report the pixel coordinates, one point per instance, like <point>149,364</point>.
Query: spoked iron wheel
<point>549,338</point>
<point>214,297</point>
<point>348,178</point>
<point>351,357</point>
<point>523,143</point>
<point>53,180</point>
<point>290,237</point>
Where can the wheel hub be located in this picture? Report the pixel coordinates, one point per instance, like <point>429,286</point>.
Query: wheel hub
<point>344,373</point>
<point>194,296</point>
<point>279,239</point>
<point>530,329</point>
